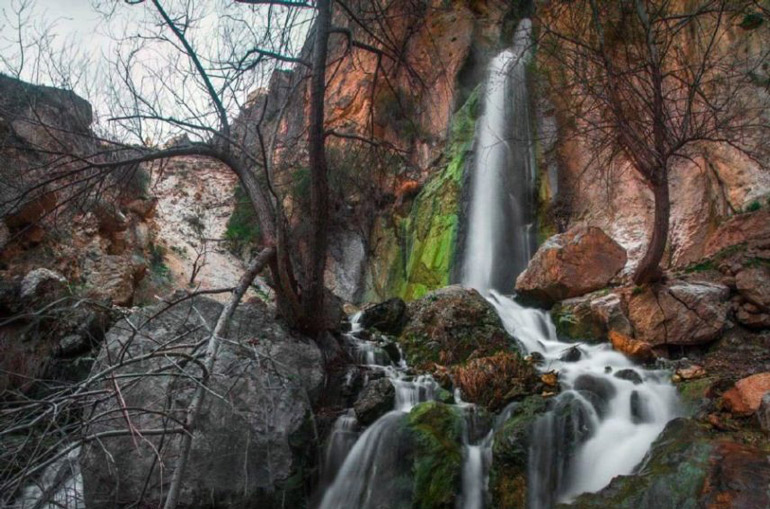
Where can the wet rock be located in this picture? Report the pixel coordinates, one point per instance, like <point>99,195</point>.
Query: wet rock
<point>393,352</point>
<point>754,285</point>
<point>599,387</point>
<point>510,454</point>
<point>376,399</point>
<point>574,319</point>
<point>629,374</point>
<point>572,354</point>
<point>389,316</point>
<point>640,351</point>
<point>495,380</point>
<point>763,413</point>
<point>43,286</point>
<point>247,427</point>
<point>680,313</point>
<point>640,411</point>
<point>746,396</point>
<point>436,429</point>
<point>571,264</point>
<point>451,325</point>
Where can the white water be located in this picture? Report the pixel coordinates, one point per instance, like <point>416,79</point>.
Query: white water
<point>613,420</point>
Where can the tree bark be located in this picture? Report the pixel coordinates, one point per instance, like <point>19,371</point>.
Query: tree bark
<point>313,298</point>
<point>649,267</point>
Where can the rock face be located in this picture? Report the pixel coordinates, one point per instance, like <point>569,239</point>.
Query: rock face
<point>253,443</point>
<point>571,264</point>
<point>680,313</point>
<point>754,227</point>
<point>746,396</point>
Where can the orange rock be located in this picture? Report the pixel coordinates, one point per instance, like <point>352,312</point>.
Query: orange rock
<point>691,372</point>
<point>745,397</point>
<point>632,348</point>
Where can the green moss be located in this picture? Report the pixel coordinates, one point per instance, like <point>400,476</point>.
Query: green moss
<point>437,430</point>
<point>416,253</point>
<point>692,393</point>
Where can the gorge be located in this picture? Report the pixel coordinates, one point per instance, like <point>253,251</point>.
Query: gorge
<point>482,340</point>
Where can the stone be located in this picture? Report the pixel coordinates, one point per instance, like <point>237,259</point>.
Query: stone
<point>72,344</point>
<point>376,399</point>
<point>253,445</point>
<point>450,326</point>
<point>572,354</point>
<point>691,372</point>
<point>389,316</point>
<point>753,284</point>
<point>763,413</point>
<point>111,278</point>
<point>629,374</point>
<point>571,264</point>
<point>745,397</point>
<point>609,310</point>
<point>739,229</point>
<point>679,313</point>
<point>751,317</point>
<point>635,349</point>
<point>43,286</point>
<point>600,390</point>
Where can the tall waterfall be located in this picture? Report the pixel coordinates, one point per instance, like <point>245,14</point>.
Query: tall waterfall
<point>500,238</point>
<point>610,410</point>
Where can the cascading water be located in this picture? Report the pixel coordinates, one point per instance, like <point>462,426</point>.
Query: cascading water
<point>610,410</point>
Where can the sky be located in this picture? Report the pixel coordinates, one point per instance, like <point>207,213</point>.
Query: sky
<point>86,46</point>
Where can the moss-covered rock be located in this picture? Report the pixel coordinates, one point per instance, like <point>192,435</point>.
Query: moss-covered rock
<point>437,432</point>
<point>450,326</point>
<point>574,319</point>
<point>510,455</point>
<point>416,252</point>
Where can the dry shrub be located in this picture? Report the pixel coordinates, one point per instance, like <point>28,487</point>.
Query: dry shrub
<point>495,380</point>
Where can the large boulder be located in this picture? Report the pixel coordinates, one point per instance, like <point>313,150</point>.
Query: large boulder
<point>571,264</point>
<point>679,313</point>
<point>389,316</point>
<point>253,442</point>
<point>376,399</point>
<point>753,283</point>
<point>113,277</point>
<point>590,317</point>
<point>451,325</point>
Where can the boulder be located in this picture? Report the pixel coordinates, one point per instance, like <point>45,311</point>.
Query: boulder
<point>43,286</point>
<point>739,229</point>
<point>629,374</point>
<point>753,283</point>
<point>253,444</point>
<point>451,325</point>
<point>590,317</point>
<point>571,264</point>
<point>752,316</point>
<point>745,397</point>
<point>375,400</point>
<point>389,316</point>
<point>679,313</point>
<point>639,351</point>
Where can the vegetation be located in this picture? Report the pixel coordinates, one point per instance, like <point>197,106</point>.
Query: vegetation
<point>242,226</point>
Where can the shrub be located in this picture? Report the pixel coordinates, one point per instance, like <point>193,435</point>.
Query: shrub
<point>242,227</point>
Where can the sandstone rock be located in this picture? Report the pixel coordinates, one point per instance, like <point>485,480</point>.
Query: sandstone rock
<point>753,284</point>
<point>571,264</point>
<point>680,313</point>
<point>253,444</point>
<point>377,399</point>
<point>763,413</point>
<point>451,325</point>
<point>112,277</point>
<point>389,316</point>
<point>43,286</point>
<point>746,396</point>
<point>691,372</point>
<point>609,311</point>
<point>739,229</point>
<point>632,348</point>
<point>753,318</point>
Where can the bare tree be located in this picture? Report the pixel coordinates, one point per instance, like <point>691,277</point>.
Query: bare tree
<point>655,82</point>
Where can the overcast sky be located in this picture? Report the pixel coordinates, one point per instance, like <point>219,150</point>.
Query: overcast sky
<point>81,48</point>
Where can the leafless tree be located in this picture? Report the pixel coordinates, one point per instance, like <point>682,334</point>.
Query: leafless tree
<point>655,82</point>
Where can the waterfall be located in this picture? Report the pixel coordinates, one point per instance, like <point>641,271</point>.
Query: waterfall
<point>500,233</point>
<point>610,410</point>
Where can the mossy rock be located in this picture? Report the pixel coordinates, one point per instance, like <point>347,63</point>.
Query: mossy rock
<point>673,474</point>
<point>575,320</point>
<point>437,432</point>
<point>510,455</point>
<point>451,326</point>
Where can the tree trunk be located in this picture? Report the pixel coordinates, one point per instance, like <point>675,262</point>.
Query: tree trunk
<point>649,267</point>
<point>313,297</point>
